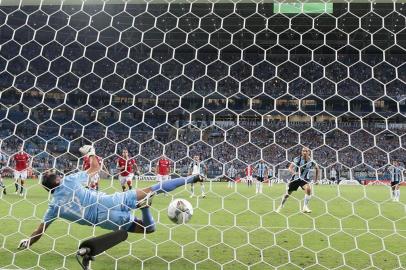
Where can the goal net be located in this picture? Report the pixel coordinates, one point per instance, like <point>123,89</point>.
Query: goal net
<point>233,82</point>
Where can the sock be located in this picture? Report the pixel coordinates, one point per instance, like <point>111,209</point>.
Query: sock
<point>123,187</point>
<point>148,220</point>
<point>2,184</point>
<point>260,187</point>
<point>169,185</point>
<point>398,194</point>
<point>285,198</point>
<point>130,187</point>
<point>16,185</point>
<point>257,187</point>
<point>307,199</point>
<point>21,190</point>
<point>393,193</point>
<point>203,189</point>
<point>192,188</point>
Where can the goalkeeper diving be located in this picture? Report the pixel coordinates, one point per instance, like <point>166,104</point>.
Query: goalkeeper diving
<point>73,202</point>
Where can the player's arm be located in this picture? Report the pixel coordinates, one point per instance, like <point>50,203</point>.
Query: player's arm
<point>35,236</point>
<point>103,166</point>
<point>94,166</point>
<point>317,178</point>
<point>292,168</point>
<point>135,168</point>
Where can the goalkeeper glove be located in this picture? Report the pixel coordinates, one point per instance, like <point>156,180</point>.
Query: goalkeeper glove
<point>87,150</point>
<point>25,243</point>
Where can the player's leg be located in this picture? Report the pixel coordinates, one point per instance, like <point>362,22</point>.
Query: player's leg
<point>122,182</point>
<point>192,190</point>
<point>23,177</point>
<point>129,180</point>
<point>293,186</point>
<point>167,186</point>
<point>160,178</point>
<point>16,179</point>
<point>2,185</point>
<point>393,191</point>
<point>284,199</point>
<point>397,192</point>
<point>308,194</point>
<point>260,185</point>
<point>203,189</point>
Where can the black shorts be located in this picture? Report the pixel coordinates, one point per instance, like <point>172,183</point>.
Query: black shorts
<point>260,179</point>
<point>394,183</point>
<point>294,185</point>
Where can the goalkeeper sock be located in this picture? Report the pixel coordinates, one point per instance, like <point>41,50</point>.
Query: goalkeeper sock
<point>148,220</point>
<point>307,199</point>
<point>16,185</point>
<point>169,185</point>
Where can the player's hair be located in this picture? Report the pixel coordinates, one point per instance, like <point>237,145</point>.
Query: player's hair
<point>49,181</point>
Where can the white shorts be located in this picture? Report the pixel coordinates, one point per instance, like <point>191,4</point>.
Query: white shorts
<point>126,179</point>
<point>248,177</point>
<point>161,178</point>
<point>20,174</point>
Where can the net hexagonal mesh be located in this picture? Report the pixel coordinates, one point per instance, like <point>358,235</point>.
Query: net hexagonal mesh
<point>233,83</point>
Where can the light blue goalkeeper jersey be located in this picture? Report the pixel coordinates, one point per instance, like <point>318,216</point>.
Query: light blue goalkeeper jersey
<point>73,202</point>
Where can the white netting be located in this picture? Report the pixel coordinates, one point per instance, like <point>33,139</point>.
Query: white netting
<point>232,82</point>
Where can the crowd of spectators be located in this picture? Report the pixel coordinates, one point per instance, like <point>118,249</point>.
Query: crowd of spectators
<point>218,147</point>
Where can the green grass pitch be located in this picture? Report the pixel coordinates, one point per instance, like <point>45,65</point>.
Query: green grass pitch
<point>351,227</point>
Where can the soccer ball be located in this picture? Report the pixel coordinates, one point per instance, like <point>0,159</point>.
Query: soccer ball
<point>180,211</point>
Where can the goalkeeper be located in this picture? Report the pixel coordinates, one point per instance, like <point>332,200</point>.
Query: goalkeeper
<point>73,202</point>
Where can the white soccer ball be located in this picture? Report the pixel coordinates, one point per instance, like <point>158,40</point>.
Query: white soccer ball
<point>180,211</point>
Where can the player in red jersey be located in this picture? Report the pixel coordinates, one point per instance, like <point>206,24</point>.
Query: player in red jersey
<point>163,168</point>
<point>22,160</point>
<point>248,174</point>
<point>93,182</point>
<point>127,169</point>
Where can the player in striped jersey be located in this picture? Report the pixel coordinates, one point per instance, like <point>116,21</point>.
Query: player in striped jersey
<point>300,169</point>
<point>232,176</point>
<point>261,170</point>
<point>396,172</point>
<point>3,162</point>
<point>197,167</point>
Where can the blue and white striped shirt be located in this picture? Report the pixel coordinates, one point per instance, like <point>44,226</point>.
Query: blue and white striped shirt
<point>303,168</point>
<point>396,173</point>
<point>261,169</point>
